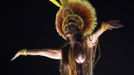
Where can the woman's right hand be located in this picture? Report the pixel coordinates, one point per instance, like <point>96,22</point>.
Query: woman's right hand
<point>21,52</point>
<point>16,55</point>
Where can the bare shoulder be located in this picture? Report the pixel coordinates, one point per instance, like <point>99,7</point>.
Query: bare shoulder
<point>89,41</point>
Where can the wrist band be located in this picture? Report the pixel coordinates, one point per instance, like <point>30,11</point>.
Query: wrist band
<point>104,26</point>
<point>23,52</point>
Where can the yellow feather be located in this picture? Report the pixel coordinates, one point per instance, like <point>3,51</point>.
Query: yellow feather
<point>55,2</point>
<point>64,3</point>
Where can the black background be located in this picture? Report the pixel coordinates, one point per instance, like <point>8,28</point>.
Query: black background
<point>31,25</point>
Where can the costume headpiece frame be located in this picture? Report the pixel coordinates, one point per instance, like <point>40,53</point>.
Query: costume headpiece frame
<point>79,11</point>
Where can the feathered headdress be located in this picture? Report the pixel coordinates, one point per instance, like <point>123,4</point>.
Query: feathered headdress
<point>81,12</point>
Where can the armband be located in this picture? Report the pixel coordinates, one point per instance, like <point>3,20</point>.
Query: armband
<point>105,26</point>
<point>23,52</point>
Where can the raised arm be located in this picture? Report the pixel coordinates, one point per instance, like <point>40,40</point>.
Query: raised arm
<point>114,24</point>
<point>50,53</point>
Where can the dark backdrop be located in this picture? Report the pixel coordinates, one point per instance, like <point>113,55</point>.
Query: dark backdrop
<point>31,25</point>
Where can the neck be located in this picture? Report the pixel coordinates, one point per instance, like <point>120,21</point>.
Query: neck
<point>72,42</point>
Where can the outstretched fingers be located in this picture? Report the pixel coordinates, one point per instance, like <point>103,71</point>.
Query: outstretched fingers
<point>115,24</point>
<point>16,55</point>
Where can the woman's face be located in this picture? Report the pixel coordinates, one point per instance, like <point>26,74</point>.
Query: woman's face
<point>71,31</point>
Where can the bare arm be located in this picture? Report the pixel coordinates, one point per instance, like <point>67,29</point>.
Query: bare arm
<point>114,24</point>
<point>50,53</point>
